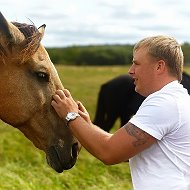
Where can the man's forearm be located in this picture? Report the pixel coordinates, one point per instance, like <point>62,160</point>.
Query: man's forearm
<point>92,138</point>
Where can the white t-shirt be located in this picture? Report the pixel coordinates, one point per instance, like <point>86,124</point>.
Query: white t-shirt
<point>164,115</point>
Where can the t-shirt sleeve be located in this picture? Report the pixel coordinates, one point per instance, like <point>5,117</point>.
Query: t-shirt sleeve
<point>157,116</point>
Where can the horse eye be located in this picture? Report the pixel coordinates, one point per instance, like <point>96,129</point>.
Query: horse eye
<point>43,76</point>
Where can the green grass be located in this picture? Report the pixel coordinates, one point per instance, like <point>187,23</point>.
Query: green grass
<point>23,167</point>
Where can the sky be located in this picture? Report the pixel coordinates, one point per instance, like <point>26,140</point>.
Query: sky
<point>99,22</point>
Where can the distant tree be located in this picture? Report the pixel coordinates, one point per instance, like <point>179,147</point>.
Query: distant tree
<point>186,52</point>
<point>100,55</point>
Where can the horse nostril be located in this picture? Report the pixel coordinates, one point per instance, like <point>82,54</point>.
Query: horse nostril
<point>74,150</point>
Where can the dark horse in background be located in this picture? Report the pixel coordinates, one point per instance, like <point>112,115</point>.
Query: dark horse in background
<point>118,99</point>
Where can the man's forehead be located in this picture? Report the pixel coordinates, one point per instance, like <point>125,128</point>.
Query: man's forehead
<point>140,52</point>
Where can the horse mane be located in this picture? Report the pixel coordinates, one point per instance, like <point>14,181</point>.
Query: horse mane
<point>33,38</point>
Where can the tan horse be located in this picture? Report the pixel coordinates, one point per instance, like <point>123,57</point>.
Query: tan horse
<point>28,79</point>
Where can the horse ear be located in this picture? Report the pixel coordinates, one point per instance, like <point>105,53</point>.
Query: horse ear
<point>4,27</point>
<point>8,32</point>
<point>41,30</point>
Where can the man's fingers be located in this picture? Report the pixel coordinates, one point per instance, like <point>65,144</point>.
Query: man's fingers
<point>67,93</point>
<point>60,93</point>
<point>56,98</point>
<point>63,93</point>
<point>81,107</point>
<point>53,103</point>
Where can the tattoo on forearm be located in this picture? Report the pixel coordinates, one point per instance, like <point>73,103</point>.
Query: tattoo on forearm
<point>140,136</point>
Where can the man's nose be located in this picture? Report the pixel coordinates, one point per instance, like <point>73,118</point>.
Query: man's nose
<point>131,70</point>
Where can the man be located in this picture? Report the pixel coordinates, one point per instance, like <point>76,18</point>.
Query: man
<point>157,139</point>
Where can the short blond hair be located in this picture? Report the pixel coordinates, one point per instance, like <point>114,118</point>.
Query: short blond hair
<point>165,48</point>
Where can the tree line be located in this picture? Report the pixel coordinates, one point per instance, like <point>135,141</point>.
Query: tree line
<point>100,55</point>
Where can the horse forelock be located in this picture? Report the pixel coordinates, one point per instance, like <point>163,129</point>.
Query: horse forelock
<point>26,29</point>
<point>33,38</point>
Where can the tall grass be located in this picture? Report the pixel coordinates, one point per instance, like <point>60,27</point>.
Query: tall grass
<point>23,167</point>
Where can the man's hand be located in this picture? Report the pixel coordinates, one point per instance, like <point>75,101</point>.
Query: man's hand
<point>83,113</point>
<point>63,103</point>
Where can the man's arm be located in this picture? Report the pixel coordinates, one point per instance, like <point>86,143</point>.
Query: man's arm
<point>109,148</point>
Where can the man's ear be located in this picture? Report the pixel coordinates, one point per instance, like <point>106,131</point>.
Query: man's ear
<point>161,66</point>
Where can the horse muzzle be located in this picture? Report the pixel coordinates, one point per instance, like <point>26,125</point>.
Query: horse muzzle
<point>62,158</point>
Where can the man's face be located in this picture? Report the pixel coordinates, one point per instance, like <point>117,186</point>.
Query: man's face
<point>143,71</point>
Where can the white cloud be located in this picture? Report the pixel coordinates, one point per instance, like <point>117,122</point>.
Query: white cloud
<point>102,21</point>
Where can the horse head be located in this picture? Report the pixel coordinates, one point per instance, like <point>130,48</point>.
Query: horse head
<point>28,80</point>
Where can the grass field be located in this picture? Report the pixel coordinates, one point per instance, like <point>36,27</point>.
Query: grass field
<point>23,167</point>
